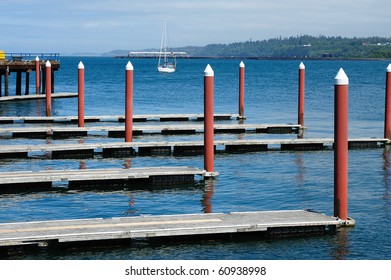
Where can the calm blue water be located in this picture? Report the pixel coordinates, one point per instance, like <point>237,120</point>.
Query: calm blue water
<point>271,180</point>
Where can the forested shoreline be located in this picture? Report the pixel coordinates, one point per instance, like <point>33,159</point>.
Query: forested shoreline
<point>303,47</point>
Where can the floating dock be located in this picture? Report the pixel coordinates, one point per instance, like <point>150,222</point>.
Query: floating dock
<point>119,131</point>
<point>56,234</point>
<point>190,148</point>
<point>117,118</point>
<point>13,182</point>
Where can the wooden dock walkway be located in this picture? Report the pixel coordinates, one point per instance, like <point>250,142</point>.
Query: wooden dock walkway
<point>190,148</point>
<point>117,118</point>
<point>86,231</point>
<point>12,182</point>
<point>36,96</point>
<point>119,131</point>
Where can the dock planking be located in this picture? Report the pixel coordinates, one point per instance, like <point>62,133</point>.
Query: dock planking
<point>119,131</point>
<point>34,97</point>
<point>83,232</point>
<point>190,148</point>
<point>13,182</point>
<point>117,118</point>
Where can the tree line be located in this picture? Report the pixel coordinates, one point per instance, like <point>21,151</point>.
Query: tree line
<point>303,46</point>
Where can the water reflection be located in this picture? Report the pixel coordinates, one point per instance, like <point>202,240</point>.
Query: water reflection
<point>127,163</point>
<point>386,168</point>
<point>342,242</point>
<point>207,196</point>
<point>387,181</point>
<point>299,162</point>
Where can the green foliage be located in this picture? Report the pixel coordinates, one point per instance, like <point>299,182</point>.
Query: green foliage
<point>304,46</point>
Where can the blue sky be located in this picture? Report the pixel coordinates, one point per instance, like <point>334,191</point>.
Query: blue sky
<point>70,26</point>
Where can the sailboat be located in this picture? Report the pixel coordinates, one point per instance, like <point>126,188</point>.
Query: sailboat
<point>164,65</point>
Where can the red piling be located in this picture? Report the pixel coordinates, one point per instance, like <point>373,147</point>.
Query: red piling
<point>387,115</point>
<point>37,75</point>
<point>129,103</point>
<point>300,111</point>
<point>209,120</point>
<point>48,82</point>
<point>241,90</point>
<point>80,90</point>
<point>341,89</point>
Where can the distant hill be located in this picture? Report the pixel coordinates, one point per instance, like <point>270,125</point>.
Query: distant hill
<point>303,46</point>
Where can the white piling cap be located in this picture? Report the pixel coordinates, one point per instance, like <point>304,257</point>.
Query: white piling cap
<point>129,66</point>
<point>241,65</point>
<point>81,65</point>
<point>301,66</point>
<point>341,78</point>
<point>48,64</point>
<point>208,71</point>
<point>36,58</point>
<point>389,68</point>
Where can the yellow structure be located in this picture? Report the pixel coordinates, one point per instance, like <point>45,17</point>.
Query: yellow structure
<point>2,55</point>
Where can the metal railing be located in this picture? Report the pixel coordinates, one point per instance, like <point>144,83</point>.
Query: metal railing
<point>32,56</point>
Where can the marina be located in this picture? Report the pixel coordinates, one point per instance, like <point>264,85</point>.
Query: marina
<point>274,186</point>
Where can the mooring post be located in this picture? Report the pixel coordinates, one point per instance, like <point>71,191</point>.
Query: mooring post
<point>241,90</point>
<point>387,115</point>
<point>300,111</point>
<point>48,82</point>
<point>209,122</point>
<point>129,103</point>
<point>37,75</point>
<point>80,90</point>
<point>341,88</point>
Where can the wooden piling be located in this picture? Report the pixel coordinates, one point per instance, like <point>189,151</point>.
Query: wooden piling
<point>341,87</point>
<point>300,111</point>
<point>209,121</point>
<point>129,103</point>
<point>48,82</point>
<point>37,75</point>
<point>18,90</point>
<point>27,83</point>
<point>241,89</point>
<point>80,116</point>
<point>387,115</point>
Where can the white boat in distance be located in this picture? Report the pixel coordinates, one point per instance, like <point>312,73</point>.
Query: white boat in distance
<point>164,65</point>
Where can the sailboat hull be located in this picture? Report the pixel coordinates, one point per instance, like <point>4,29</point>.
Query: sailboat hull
<point>165,69</point>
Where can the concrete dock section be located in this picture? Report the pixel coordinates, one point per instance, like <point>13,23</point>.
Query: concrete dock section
<point>116,118</point>
<point>119,131</point>
<point>13,182</point>
<point>76,232</point>
<point>184,148</point>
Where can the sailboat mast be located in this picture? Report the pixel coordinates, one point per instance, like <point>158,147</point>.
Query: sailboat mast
<point>165,40</point>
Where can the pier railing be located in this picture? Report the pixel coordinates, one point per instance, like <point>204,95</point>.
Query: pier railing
<point>32,56</point>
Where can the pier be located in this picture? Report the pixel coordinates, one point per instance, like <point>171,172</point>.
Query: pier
<point>20,63</point>
<point>73,233</point>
